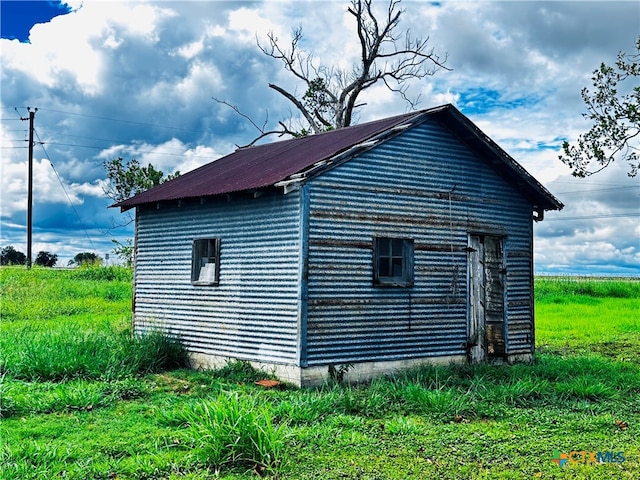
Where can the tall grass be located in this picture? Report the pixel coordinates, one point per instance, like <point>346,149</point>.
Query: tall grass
<point>77,358</point>
<point>567,288</point>
<point>59,325</point>
<point>68,353</point>
<point>235,429</point>
<point>586,315</point>
<point>447,393</point>
<point>29,398</point>
<point>44,294</point>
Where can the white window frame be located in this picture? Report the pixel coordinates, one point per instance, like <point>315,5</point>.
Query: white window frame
<point>205,262</point>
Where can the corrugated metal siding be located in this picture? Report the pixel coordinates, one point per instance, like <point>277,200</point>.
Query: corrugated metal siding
<point>253,313</point>
<point>425,185</point>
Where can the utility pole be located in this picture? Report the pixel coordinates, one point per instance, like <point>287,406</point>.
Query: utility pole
<point>32,114</point>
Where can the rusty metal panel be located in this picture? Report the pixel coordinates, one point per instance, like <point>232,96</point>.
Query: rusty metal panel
<point>427,185</point>
<point>290,161</point>
<point>263,165</point>
<point>253,313</point>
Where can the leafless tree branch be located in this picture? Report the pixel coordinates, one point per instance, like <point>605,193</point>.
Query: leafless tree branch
<point>331,95</point>
<point>237,110</point>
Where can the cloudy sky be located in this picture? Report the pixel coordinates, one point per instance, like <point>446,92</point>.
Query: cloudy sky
<point>136,80</point>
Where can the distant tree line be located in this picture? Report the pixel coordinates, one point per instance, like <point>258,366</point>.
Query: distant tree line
<point>46,259</point>
<point>10,256</point>
<point>86,259</point>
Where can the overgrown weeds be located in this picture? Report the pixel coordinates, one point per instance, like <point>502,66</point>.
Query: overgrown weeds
<point>45,294</point>
<point>239,371</point>
<point>69,353</point>
<point>30,398</point>
<point>587,316</point>
<point>566,289</point>
<point>235,429</point>
<point>77,402</point>
<point>56,327</point>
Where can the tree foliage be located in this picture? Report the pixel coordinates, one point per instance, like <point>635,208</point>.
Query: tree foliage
<point>615,116</point>
<point>84,259</point>
<point>11,256</point>
<point>46,259</point>
<point>128,178</point>
<point>124,251</point>
<point>330,98</point>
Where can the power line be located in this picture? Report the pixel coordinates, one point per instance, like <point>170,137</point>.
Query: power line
<point>65,192</point>
<point>127,144</point>
<point>591,217</point>
<point>111,140</point>
<point>577,192</point>
<point>124,144</point>
<point>132,122</point>
<point>588,182</point>
<point>121,146</point>
<point>178,152</point>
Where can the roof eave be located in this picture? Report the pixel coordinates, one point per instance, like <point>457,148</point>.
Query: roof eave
<point>539,196</point>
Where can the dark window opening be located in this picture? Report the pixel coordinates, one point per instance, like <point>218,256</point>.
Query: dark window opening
<point>392,262</point>
<point>205,262</point>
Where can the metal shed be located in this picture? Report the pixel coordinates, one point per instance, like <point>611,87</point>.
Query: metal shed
<point>385,245</point>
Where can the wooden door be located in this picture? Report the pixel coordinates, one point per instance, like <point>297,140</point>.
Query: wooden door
<point>486,301</point>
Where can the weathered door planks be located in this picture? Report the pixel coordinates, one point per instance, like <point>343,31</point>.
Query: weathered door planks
<point>486,303</point>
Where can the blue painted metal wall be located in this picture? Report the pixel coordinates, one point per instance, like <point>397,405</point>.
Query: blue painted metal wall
<point>426,185</point>
<point>296,269</point>
<point>253,313</point>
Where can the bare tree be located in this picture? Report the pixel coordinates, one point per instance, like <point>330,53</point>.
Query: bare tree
<point>331,94</point>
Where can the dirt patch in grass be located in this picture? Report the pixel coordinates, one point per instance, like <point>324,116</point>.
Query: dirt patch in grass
<point>621,351</point>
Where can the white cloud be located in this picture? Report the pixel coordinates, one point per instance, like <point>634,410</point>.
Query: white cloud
<point>196,157</point>
<point>135,79</point>
<point>200,77</point>
<point>75,44</point>
<point>46,187</point>
<point>247,23</point>
<point>191,49</point>
<point>168,156</point>
<point>583,257</point>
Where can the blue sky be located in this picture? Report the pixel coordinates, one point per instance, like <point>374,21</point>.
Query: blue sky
<point>17,17</point>
<point>136,79</point>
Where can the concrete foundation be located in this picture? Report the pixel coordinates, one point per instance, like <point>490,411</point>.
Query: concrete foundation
<point>317,375</point>
<point>520,358</point>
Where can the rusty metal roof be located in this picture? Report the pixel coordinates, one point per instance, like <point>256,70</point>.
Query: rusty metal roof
<point>263,165</point>
<point>266,165</point>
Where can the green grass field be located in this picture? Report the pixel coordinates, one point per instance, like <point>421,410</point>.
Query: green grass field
<point>83,399</point>
<point>589,316</point>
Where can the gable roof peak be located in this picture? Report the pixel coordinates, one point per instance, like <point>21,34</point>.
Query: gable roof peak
<point>288,161</point>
